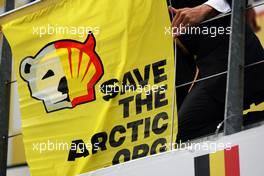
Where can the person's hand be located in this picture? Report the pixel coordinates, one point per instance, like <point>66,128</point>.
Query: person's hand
<point>186,17</point>
<point>252,20</point>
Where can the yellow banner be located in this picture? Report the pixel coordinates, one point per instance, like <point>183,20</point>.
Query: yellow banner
<point>95,80</point>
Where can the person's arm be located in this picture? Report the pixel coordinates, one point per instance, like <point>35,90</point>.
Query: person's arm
<point>252,20</point>
<point>250,15</point>
<point>192,16</point>
<point>220,5</point>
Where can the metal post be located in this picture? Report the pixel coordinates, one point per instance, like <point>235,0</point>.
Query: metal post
<point>9,5</point>
<point>235,75</point>
<point>5,78</point>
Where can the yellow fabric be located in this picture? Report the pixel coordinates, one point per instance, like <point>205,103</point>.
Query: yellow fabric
<point>2,3</point>
<point>16,150</point>
<point>260,22</point>
<point>217,164</point>
<point>127,35</point>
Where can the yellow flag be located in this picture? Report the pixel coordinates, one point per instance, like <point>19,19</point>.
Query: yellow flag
<point>95,80</point>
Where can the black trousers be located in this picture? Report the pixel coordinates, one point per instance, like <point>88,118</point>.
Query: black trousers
<point>203,108</point>
<point>199,114</point>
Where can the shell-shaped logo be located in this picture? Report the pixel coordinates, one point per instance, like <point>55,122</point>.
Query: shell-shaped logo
<point>63,74</point>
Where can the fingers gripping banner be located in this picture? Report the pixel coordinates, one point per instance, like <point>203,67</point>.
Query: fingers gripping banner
<point>95,80</point>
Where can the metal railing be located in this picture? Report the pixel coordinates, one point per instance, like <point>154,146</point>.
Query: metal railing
<point>235,83</point>
<point>5,78</point>
<point>235,73</point>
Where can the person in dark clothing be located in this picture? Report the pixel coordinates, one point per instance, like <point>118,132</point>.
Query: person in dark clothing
<point>185,73</point>
<point>203,108</point>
